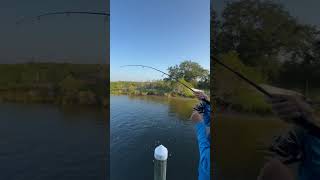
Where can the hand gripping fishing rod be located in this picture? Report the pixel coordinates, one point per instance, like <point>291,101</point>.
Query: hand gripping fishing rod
<point>143,66</point>
<point>301,121</point>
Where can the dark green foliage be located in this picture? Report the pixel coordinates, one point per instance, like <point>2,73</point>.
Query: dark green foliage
<point>266,38</point>
<point>192,72</point>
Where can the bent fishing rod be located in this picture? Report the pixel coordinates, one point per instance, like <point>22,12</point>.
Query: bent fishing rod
<point>176,79</point>
<point>63,12</point>
<point>310,127</point>
<point>256,86</point>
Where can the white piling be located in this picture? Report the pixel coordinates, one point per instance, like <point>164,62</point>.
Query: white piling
<point>160,162</point>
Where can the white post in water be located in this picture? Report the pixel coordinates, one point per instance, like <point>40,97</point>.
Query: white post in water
<point>160,162</point>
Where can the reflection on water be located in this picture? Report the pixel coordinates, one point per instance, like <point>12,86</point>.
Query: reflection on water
<point>139,124</point>
<point>48,142</point>
<point>236,143</point>
<point>178,105</point>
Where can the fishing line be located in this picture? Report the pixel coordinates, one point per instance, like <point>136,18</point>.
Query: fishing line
<point>162,73</point>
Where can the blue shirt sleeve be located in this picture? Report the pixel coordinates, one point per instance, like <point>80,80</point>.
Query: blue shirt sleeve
<point>204,149</point>
<point>206,114</point>
<point>310,166</point>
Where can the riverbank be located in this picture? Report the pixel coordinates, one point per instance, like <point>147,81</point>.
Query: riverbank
<point>57,83</point>
<point>168,95</point>
<point>83,99</point>
<point>153,88</point>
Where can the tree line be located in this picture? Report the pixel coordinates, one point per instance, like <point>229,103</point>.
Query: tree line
<point>60,83</point>
<point>188,72</point>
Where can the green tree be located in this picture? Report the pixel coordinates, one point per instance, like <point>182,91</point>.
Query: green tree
<point>190,71</point>
<point>261,32</point>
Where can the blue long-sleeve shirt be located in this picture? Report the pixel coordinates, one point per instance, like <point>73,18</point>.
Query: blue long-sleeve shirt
<point>298,142</point>
<point>310,166</point>
<point>204,145</point>
<point>206,115</point>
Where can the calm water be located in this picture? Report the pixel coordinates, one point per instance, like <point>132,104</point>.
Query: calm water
<point>47,142</point>
<point>139,124</point>
<point>237,141</point>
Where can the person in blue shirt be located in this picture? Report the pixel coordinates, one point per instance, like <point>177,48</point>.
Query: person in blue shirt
<point>201,118</point>
<point>300,143</point>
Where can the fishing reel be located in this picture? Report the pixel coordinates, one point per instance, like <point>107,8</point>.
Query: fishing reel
<point>286,147</point>
<point>200,107</point>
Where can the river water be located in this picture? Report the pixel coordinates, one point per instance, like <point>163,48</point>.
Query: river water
<point>53,143</point>
<point>139,124</point>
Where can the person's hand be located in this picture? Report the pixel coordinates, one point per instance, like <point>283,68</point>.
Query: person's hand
<point>196,117</point>
<point>291,107</point>
<point>201,95</point>
<point>275,170</point>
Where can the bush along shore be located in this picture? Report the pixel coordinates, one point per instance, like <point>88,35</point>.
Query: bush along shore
<point>154,88</point>
<point>53,83</point>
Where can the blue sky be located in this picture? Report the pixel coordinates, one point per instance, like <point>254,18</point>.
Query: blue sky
<point>158,33</point>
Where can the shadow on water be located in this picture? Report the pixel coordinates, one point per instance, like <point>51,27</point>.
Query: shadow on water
<point>139,124</point>
<point>236,143</point>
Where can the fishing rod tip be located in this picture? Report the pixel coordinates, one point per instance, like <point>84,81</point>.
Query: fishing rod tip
<point>197,90</point>
<point>125,65</point>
